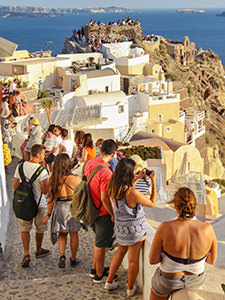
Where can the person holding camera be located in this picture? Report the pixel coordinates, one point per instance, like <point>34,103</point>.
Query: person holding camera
<point>8,130</point>
<point>130,226</point>
<point>143,184</point>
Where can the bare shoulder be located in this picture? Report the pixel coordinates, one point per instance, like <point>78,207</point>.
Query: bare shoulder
<point>73,179</point>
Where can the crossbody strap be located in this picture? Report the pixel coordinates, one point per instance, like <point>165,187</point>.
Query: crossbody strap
<point>92,174</point>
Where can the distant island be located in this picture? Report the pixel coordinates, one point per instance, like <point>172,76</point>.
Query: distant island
<point>190,10</point>
<point>221,15</point>
<point>32,11</point>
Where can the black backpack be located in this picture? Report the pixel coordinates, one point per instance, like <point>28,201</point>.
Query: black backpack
<point>24,203</point>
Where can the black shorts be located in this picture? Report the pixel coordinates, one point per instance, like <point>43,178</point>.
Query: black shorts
<point>103,229</point>
<point>49,159</point>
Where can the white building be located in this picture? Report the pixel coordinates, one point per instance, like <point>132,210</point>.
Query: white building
<point>114,113</point>
<point>4,201</point>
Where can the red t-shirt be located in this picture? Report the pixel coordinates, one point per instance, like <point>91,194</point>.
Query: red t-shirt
<point>99,181</point>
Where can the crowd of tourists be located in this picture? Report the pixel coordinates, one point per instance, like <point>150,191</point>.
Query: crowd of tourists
<point>119,188</point>
<point>127,21</point>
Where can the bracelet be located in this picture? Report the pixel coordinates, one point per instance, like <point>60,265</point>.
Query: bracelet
<point>49,215</point>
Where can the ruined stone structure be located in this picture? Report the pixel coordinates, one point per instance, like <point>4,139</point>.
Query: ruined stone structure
<point>119,33</point>
<point>183,53</point>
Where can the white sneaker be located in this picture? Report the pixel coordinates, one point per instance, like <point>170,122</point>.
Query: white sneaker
<point>111,286</point>
<point>131,293</point>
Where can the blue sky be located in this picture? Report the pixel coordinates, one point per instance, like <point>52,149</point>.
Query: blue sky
<point>122,3</point>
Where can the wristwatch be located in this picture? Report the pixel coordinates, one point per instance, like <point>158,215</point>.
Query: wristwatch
<point>49,215</point>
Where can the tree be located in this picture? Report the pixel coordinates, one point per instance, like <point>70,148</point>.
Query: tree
<point>48,104</point>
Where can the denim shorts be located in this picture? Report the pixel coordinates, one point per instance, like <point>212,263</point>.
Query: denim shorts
<point>163,285</point>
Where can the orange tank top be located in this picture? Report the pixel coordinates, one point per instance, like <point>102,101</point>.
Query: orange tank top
<point>91,152</point>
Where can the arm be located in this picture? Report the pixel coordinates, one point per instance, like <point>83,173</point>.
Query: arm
<point>211,258</point>
<point>156,248</point>
<point>84,156</point>
<point>134,196</point>
<point>16,183</point>
<point>44,186</point>
<point>61,149</point>
<point>106,202</point>
<point>52,151</point>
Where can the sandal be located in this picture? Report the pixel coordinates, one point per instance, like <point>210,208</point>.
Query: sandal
<point>74,262</point>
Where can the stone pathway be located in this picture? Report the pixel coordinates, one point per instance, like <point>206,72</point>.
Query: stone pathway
<point>43,279</point>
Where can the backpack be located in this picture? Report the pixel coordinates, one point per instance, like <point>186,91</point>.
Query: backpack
<point>24,203</point>
<point>82,207</point>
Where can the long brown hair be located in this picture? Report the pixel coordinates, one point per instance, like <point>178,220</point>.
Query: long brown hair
<point>185,202</point>
<point>61,167</point>
<point>122,178</point>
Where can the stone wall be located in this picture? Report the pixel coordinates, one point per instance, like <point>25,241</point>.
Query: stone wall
<point>185,101</point>
<point>200,144</point>
<point>113,32</point>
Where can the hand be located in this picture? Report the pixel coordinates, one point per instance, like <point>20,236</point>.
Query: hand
<point>112,218</point>
<point>152,175</point>
<point>141,174</point>
<point>45,220</point>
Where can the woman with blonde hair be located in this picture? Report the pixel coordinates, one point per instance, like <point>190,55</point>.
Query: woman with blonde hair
<point>182,247</point>
<point>61,185</point>
<point>130,226</point>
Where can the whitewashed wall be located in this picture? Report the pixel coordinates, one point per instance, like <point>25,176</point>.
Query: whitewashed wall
<point>4,201</point>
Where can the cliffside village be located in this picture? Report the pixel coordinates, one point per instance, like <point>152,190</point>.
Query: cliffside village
<point>116,92</point>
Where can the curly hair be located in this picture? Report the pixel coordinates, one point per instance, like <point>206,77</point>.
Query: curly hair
<point>61,167</point>
<point>185,202</point>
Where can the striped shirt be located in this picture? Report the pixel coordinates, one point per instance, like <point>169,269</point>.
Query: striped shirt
<point>142,186</point>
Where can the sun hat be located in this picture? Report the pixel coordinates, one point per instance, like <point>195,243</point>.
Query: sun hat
<point>140,163</point>
<point>35,121</point>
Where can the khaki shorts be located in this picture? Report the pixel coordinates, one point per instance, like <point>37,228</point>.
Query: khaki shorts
<point>25,226</point>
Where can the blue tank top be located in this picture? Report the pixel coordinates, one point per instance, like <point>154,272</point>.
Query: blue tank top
<point>129,223</point>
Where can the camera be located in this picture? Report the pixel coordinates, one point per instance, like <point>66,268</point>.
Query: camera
<point>148,172</point>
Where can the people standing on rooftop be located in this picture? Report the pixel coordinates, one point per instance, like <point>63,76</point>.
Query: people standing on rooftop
<point>61,185</point>
<point>88,151</point>
<point>129,220</point>
<point>181,247</point>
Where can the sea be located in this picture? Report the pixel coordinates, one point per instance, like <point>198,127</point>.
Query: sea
<point>205,29</point>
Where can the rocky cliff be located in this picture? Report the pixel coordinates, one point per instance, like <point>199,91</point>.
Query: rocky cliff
<point>205,83</point>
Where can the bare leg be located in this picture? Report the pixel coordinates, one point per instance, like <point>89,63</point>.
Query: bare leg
<point>25,236</point>
<point>62,240</point>
<point>116,261</point>
<point>133,261</point>
<point>74,243</point>
<point>39,239</point>
<point>99,258</point>
<point>94,263</point>
<point>153,296</point>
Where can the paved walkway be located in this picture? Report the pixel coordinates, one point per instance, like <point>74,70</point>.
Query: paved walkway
<point>43,279</point>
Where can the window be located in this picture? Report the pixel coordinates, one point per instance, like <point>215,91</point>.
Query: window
<point>120,109</point>
<point>106,89</point>
<point>160,118</point>
<point>168,129</point>
<point>18,70</point>
<point>156,72</point>
<point>153,130</point>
